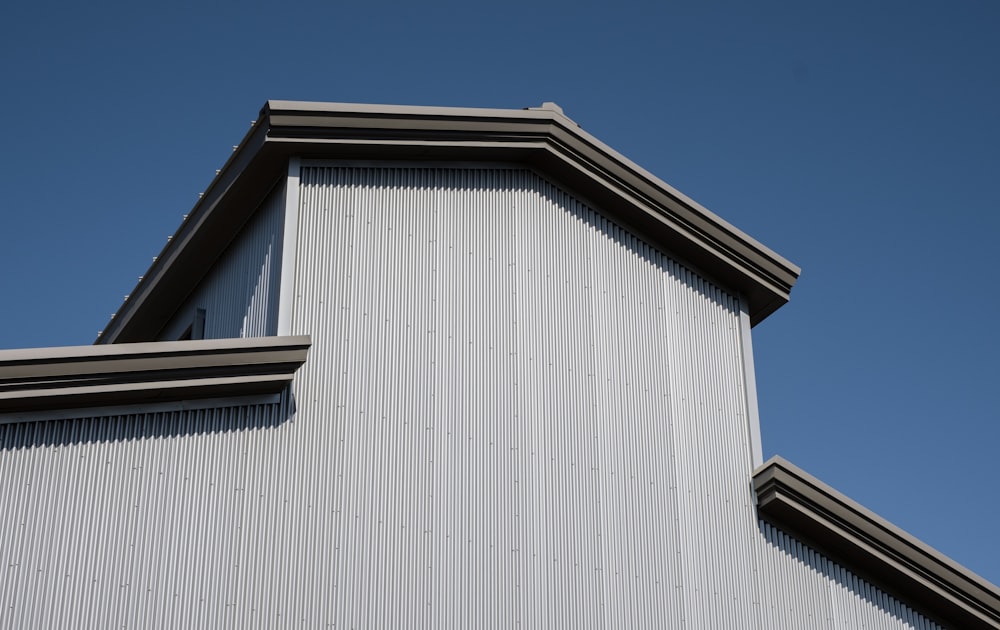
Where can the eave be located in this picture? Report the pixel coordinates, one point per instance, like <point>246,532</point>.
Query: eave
<point>872,547</point>
<point>81,377</point>
<point>540,138</point>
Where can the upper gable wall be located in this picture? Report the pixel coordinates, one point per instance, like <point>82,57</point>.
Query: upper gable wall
<point>506,378</point>
<point>515,408</point>
<point>240,292</point>
<point>514,411</point>
<point>538,138</point>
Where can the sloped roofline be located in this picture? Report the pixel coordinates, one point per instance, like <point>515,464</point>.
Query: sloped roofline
<point>874,548</point>
<point>541,138</point>
<point>77,377</point>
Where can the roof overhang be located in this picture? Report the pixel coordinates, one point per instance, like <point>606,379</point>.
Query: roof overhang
<point>540,138</point>
<point>872,547</point>
<point>81,377</point>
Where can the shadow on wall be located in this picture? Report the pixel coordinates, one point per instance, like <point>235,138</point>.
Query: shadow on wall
<point>600,223</point>
<point>240,294</point>
<point>836,575</point>
<point>139,425</point>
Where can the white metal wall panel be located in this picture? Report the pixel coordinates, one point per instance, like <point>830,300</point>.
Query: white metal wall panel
<point>240,293</point>
<point>804,589</point>
<point>128,521</point>
<point>514,413</point>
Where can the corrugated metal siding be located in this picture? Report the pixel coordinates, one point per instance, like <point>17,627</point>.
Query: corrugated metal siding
<point>130,521</point>
<point>240,293</point>
<point>514,413</point>
<point>804,589</point>
<point>517,413</point>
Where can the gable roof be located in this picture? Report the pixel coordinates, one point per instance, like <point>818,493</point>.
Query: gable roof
<point>866,543</point>
<point>541,138</point>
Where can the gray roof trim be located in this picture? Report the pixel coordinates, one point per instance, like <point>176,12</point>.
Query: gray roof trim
<point>862,541</point>
<point>542,138</point>
<point>46,379</point>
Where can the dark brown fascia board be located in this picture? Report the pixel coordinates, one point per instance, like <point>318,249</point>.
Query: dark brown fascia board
<point>44,379</point>
<point>860,540</point>
<point>206,231</point>
<point>541,138</point>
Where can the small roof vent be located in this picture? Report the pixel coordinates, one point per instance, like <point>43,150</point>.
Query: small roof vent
<point>549,106</point>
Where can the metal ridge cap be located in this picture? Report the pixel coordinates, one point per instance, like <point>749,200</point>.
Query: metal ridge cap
<point>780,484</point>
<point>542,113</point>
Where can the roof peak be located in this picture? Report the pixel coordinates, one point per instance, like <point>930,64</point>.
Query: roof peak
<point>549,106</point>
<point>541,138</point>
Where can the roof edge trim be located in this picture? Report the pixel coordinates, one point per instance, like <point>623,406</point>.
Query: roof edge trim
<point>80,377</point>
<point>794,500</point>
<point>542,138</point>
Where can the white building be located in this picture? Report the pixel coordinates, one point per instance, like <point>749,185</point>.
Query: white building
<point>436,367</point>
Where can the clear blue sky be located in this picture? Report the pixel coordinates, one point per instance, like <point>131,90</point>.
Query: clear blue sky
<point>860,140</point>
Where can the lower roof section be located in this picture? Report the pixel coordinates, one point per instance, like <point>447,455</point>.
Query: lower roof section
<point>79,377</point>
<point>897,562</point>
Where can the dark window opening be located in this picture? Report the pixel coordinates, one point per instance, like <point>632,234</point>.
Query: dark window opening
<point>196,330</point>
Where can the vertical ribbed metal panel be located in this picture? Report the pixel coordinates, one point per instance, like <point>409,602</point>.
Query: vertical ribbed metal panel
<point>804,589</point>
<point>130,521</point>
<point>240,293</point>
<point>514,413</point>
